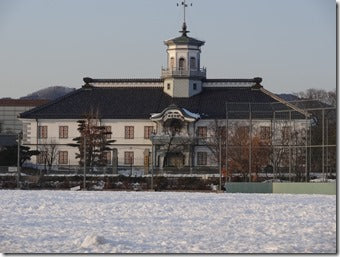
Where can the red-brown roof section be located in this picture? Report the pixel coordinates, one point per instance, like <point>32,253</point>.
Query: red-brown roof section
<point>22,102</point>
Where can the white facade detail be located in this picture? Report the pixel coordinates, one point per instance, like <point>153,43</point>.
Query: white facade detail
<point>126,84</point>
<point>183,75</point>
<point>227,84</point>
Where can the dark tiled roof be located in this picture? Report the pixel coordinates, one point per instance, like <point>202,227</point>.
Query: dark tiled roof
<point>22,102</point>
<point>310,104</point>
<point>184,40</point>
<point>140,102</point>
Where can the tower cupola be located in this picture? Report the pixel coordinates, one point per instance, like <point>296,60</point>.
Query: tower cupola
<point>183,75</point>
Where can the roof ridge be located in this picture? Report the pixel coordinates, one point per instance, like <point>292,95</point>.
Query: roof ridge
<point>122,80</point>
<point>255,80</point>
<point>123,87</point>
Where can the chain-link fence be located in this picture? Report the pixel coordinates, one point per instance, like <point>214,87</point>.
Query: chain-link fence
<point>295,142</point>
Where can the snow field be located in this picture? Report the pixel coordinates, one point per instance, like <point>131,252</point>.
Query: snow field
<point>165,222</point>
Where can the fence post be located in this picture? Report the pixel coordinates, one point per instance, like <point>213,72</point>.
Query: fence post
<point>274,143</point>
<point>250,140</point>
<point>306,152</point>
<point>290,145</point>
<point>220,160</point>
<point>18,160</point>
<point>323,144</point>
<point>226,142</point>
<point>84,179</point>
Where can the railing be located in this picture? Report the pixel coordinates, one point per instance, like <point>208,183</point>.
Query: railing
<point>202,73</point>
<point>165,139</point>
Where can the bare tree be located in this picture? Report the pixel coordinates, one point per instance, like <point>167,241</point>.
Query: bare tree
<point>216,141</point>
<point>328,97</point>
<point>49,152</point>
<point>242,147</point>
<point>288,148</point>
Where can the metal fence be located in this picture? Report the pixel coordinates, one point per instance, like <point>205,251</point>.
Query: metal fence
<point>295,142</point>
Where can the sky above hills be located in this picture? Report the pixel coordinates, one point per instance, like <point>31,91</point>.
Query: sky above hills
<point>291,44</point>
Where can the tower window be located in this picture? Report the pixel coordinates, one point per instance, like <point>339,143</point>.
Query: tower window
<point>193,63</point>
<point>194,86</point>
<point>168,86</point>
<point>181,63</point>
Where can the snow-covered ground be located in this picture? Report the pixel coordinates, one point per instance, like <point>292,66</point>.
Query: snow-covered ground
<point>165,222</point>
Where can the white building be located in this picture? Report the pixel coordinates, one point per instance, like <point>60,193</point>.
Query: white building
<point>9,111</point>
<point>162,121</point>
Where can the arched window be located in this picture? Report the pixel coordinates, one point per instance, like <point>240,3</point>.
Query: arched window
<point>172,63</point>
<point>181,63</point>
<point>193,63</point>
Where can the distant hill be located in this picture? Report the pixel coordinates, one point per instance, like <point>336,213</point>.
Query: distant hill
<point>288,97</point>
<point>49,93</point>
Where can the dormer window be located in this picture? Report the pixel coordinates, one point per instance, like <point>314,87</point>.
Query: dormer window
<point>193,63</point>
<point>194,86</point>
<point>168,86</point>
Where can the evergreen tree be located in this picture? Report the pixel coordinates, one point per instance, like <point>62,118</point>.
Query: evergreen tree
<point>96,141</point>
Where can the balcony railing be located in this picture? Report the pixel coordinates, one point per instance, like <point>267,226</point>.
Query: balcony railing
<point>165,139</point>
<point>201,73</point>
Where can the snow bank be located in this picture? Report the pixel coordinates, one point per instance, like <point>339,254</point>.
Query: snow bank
<point>165,222</point>
<point>92,241</point>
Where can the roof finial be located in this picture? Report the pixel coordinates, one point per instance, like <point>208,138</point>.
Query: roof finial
<point>184,30</point>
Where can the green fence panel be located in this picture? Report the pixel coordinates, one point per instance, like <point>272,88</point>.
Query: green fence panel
<point>305,188</point>
<point>281,188</point>
<point>247,187</point>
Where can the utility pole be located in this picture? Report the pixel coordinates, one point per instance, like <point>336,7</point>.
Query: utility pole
<point>18,160</point>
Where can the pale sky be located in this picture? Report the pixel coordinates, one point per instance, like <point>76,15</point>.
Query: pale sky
<point>291,44</point>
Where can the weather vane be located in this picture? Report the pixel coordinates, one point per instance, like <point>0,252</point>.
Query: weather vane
<point>184,27</point>
<point>185,5</point>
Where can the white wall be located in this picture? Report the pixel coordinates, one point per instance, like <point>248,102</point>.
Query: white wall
<point>228,84</point>
<point>137,145</point>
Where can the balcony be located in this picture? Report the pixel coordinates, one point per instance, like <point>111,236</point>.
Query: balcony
<point>175,140</point>
<point>183,73</point>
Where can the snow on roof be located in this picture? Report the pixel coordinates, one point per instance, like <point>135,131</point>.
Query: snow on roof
<point>194,115</point>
